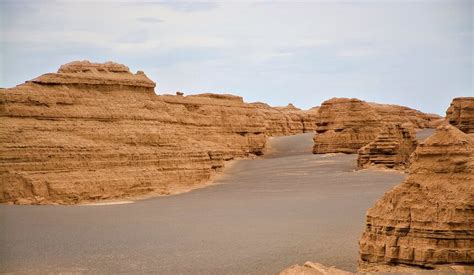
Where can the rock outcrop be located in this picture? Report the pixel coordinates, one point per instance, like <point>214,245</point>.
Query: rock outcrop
<point>96,131</point>
<point>428,220</point>
<point>344,125</point>
<point>461,114</point>
<point>391,149</point>
<point>310,268</point>
<point>394,114</point>
<point>287,120</point>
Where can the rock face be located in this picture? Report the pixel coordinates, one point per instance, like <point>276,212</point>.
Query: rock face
<point>461,114</point>
<point>391,148</point>
<point>345,125</point>
<point>310,268</point>
<point>428,220</point>
<point>393,114</point>
<point>287,120</point>
<point>96,131</point>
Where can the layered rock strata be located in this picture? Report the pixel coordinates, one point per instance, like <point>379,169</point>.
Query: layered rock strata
<point>461,114</point>
<point>395,114</point>
<point>428,220</point>
<point>391,149</point>
<point>96,131</point>
<point>287,120</point>
<point>344,125</point>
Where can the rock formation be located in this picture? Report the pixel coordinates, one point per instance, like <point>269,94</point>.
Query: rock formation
<point>428,220</point>
<point>391,148</point>
<point>461,114</point>
<point>96,131</point>
<point>287,120</point>
<point>403,115</point>
<point>345,125</point>
<point>310,268</point>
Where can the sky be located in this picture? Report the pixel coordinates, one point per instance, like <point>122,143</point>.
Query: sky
<point>413,53</point>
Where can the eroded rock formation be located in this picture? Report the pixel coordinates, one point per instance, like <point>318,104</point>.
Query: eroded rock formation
<point>395,114</point>
<point>344,125</point>
<point>391,148</point>
<point>461,114</point>
<point>287,120</point>
<point>96,131</point>
<point>428,220</point>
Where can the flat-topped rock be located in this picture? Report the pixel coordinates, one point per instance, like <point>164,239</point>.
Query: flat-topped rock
<point>287,120</point>
<point>345,125</point>
<point>97,74</point>
<point>428,220</point>
<point>461,114</point>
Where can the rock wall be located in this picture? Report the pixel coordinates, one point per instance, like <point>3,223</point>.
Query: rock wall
<point>97,131</point>
<point>461,114</point>
<point>428,220</point>
<point>391,149</point>
<point>289,120</point>
<point>345,125</point>
<point>394,114</point>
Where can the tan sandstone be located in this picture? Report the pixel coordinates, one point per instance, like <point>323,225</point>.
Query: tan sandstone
<point>96,131</point>
<point>461,114</point>
<point>391,149</point>
<point>428,220</point>
<point>344,125</point>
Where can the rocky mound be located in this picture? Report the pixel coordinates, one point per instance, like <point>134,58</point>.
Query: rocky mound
<point>394,114</point>
<point>391,148</point>
<point>108,75</point>
<point>461,114</point>
<point>287,120</point>
<point>345,125</point>
<point>428,220</point>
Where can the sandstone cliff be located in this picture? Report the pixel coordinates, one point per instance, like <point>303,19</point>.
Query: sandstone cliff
<point>391,148</point>
<point>345,125</point>
<point>96,131</point>
<point>428,220</point>
<point>461,114</point>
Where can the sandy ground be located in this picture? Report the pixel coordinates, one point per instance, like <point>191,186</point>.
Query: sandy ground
<point>260,217</point>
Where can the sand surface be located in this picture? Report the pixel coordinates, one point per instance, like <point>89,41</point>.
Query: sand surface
<point>266,214</point>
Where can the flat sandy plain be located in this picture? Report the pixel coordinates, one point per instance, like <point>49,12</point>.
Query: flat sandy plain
<point>259,217</point>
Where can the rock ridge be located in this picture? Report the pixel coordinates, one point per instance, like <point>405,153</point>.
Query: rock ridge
<point>428,220</point>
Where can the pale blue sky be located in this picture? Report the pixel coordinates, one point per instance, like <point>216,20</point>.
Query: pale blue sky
<point>413,53</point>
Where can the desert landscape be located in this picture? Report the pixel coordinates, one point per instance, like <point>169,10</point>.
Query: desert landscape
<point>104,171</point>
